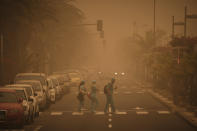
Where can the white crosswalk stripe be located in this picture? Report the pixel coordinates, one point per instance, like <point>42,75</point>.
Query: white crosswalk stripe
<point>99,113</point>
<point>163,112</point>
<point>120,113</point>
<point>142,112</point>
<point>77,113</point>
<point>127,92</point>
<point>56,113</point>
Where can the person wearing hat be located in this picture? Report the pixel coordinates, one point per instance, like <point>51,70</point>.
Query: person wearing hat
<point>94,100</point>
<point>108,90</point>
<point>81,94</point>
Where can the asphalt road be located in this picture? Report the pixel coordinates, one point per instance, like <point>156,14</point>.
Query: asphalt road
<point>137,111</point>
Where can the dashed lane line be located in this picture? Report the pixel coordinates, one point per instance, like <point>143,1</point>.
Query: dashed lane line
<point>110,125</point>
<point>110,120</point>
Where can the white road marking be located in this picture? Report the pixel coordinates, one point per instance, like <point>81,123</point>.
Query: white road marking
<point>140,92</point>
<point>163,112</point>
<point>142,112</point>
<point>120,113</point>
<point>99,113</point>
<point>110,109</point>
<point>127,92</point>
<point>110,120</point>
<point>56,113</point>
<point>38,128</point>
<point>138,108</point>
<point>77,113</point>
<point>110,125</point>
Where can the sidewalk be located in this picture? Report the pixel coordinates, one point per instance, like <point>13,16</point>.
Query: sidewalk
<point>189,116</point>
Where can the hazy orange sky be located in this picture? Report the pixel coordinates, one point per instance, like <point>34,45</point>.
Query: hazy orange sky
<point>118,15</point>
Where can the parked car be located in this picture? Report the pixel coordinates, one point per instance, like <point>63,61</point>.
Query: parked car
<point>37,87</point>
<point>56,85</point>
<point>11,109</point>
<point>35,76</point>
<point>31,91</point>
<point>27,103</point>
<point>52,90</point>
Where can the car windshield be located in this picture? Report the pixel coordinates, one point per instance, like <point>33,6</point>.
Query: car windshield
<point>31,77</point>
<point>21,94</point>
<point>35,85</point>
<point>7,97</point>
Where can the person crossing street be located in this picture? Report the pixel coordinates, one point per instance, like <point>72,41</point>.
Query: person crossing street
<point>81,94</point>
<point>94,100</point>
<point>108,90</point>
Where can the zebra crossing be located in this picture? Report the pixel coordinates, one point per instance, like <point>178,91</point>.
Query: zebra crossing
<point>126,112</point>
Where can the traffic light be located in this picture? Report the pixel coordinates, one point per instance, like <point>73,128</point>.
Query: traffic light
<point>99,25</point>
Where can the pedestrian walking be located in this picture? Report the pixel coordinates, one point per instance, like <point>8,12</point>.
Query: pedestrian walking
<point>94,100</point>
<point>108,90</point>
<point>81,94</point>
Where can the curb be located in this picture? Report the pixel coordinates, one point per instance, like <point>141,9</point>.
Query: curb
<point>182,112</point>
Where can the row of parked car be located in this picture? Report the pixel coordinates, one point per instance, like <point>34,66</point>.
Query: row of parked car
<point>22,101</point>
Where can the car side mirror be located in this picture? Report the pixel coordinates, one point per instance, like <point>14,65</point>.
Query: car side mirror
<point>20,100</point>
